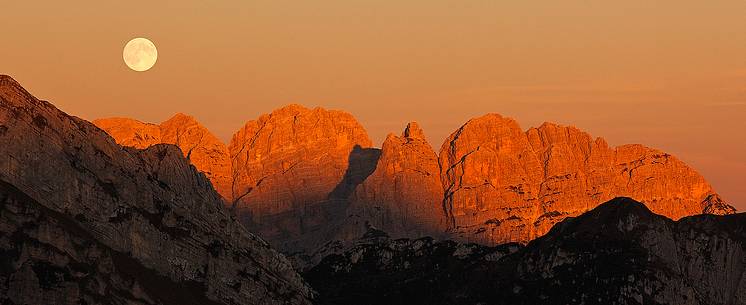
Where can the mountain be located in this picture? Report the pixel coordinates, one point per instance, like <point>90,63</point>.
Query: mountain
<point>84,220</point>
<point>618,253</point>
<point>303,177</point>
<point>502,184</point>
<point>293,170</point>
<point>199,146</point>
<point>403,196</point>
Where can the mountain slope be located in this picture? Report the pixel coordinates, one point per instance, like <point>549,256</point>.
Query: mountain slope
<point>86,221</point>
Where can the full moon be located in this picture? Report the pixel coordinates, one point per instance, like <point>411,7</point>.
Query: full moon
<point>140,54</point>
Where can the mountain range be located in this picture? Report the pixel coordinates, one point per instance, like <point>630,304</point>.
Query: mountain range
<point>303,177</point>
<point>123,212</point>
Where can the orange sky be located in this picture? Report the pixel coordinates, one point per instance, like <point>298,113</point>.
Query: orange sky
<point>667,74</point>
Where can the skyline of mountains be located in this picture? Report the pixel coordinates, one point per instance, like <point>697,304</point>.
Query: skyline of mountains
<point>303,177</point>
<point>84,220</point>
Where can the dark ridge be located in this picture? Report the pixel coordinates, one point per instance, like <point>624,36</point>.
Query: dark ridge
<point>618,253</point>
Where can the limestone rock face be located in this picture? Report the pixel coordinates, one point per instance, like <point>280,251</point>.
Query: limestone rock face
<point>404,196</point>
<point>293,171</point>
<point>86,221</point>
<point>502,184</point>
<point>304,177</point>
<point>199,146</point>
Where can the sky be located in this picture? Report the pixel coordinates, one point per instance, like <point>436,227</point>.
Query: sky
<point>666,74</point>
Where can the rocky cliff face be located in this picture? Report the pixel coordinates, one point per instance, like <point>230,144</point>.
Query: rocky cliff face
<point>303,177</point>
<point>199,146</point>
<point>618,253</point>
<point>86,221</point>
<point>293,170</point>
<point>502,184</point>
<point>403,196</point>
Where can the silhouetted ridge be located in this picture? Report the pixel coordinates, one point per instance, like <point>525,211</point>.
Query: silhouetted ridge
<point>609,220</point>
<point>618,253</point>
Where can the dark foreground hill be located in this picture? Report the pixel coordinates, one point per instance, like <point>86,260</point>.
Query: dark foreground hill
<point>86,221</point>
<point>617,253</point>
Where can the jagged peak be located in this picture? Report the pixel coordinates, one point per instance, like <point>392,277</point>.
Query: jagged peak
<point>413,131</point>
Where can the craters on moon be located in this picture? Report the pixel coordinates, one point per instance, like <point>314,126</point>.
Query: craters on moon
<point>140,54</point>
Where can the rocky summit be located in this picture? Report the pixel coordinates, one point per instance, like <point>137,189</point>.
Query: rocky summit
<point>84,220</point>
<point>503,184</point>
<point>293,170</point>
<point>304,177</point>
<point>403,196</point>
<point>618,253</point>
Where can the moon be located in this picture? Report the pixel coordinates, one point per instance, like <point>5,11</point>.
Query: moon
<point>140,54</point>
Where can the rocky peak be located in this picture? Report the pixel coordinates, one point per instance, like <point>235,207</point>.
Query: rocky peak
<point>403,196</point>
<point>413,131</point>
<point>294,168</point>
<point>205,151</point>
